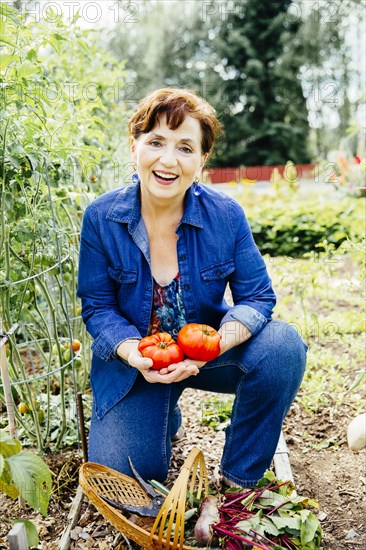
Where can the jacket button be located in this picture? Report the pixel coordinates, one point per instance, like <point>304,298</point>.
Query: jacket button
<point>186,287</point>
<point>218,271</point>
<point>183,257</point>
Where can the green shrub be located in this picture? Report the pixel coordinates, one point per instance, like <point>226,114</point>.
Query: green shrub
<point>295,225</point>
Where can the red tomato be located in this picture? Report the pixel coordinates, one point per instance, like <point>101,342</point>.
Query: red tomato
<point>200,342</point>
<point>162,349</point>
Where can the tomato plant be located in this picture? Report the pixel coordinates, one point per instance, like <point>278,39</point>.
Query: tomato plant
<point>162,349</point>
<point>47,142</point>
<point>200,342</point>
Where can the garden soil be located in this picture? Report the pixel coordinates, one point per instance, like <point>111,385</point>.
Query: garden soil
<point>323,468</point>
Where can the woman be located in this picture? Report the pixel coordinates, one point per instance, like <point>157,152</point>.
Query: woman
<point>156,255</point>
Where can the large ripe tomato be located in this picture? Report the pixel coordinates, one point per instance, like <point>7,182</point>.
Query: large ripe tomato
<point>162,349</point>
<point>200,342</point>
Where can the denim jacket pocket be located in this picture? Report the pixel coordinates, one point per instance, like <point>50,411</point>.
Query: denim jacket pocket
<point>215,278</point>
<point>125,279</point>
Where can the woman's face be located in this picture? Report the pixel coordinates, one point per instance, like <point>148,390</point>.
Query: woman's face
<point>168,161</point>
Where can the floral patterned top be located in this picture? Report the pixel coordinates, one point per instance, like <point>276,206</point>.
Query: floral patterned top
<point>168,313</point>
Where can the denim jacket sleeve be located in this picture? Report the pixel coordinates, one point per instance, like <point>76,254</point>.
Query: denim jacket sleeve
<point>250,284</point>
<point>98,293</point>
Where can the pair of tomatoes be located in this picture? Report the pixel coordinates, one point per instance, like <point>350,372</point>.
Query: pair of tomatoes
<point>195,341</point>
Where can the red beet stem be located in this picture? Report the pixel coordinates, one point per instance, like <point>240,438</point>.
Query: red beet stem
<point>223,531</point>
<point>288,543</point>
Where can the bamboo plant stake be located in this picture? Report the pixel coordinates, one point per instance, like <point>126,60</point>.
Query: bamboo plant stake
<point>9,403</point>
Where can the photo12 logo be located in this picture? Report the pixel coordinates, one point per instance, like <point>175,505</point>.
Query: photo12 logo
<point>89,12</point>
<point>221,9</point>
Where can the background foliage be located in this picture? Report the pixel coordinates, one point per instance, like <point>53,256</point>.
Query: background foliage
<point>282,75</point>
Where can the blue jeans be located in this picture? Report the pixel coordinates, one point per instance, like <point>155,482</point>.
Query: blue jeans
<point>264,374</point>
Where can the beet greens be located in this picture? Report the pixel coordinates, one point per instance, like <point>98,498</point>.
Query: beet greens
<point>268,517</point>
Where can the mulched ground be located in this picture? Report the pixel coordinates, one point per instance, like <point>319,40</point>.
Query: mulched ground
<point>334,475</point>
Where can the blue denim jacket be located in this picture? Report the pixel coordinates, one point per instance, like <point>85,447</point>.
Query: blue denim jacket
<point>215,246</point>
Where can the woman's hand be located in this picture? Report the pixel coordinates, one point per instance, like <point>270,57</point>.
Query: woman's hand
<point>175,372</point>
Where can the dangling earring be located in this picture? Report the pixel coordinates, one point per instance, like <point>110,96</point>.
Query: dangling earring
<point>197,189</point>
<point>135,177</point>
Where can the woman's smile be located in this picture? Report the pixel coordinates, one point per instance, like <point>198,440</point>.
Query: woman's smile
<point>164,178</point>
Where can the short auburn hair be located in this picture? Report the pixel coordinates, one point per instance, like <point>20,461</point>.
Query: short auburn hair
<point>177,103</point>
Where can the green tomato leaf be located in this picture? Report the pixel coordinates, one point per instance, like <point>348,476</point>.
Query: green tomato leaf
<point>8,445</point>
<point>31,529</point>
<point>6,12</point>
<point>6,484</point>
<point>32,54</point>
<point>33,479</point>
<point>2,39</point>
<point>6,59</point>
<point>58,36</point>
<point>26,68</point>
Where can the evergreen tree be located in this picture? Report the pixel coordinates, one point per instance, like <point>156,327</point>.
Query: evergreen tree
<point>328,73</point>
<point>265,114</point>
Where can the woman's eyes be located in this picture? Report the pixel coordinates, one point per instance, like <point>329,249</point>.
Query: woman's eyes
<point>157,144</point>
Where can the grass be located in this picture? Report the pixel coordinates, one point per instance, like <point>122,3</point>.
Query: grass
<point>325,302</point>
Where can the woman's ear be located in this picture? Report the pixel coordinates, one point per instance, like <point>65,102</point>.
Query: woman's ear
<point>133,148</point>
<point>205,158</point>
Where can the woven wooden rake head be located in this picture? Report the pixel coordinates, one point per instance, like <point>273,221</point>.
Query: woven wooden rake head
<point>166,532</point>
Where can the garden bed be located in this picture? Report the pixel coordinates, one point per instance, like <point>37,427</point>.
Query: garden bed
<point>335,476</point>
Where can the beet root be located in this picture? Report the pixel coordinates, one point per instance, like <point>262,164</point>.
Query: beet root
<point>209,516</point>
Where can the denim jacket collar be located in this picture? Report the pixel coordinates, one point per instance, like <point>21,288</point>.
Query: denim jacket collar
<point>127,208</point>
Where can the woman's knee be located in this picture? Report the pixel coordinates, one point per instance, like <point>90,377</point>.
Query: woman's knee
<point>277,355</point>
<point>287,350</point>
<point>112,442</point>
<point>149,465</point>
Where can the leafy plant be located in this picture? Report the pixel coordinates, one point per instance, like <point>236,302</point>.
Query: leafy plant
<point>59,129</point>
<point>297,225</point>
<point>24,473</point>
<point>269,516</point>
<point>360,378</point>
<point>216,413</point>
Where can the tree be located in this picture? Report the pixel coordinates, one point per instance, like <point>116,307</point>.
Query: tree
<point>329,77</point>
<point>264,114</point>
<point>160,48</point>
<point>239,60</point>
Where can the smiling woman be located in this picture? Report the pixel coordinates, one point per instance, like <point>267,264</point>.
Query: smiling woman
<point>168,160</point>
<point>157,256</point>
